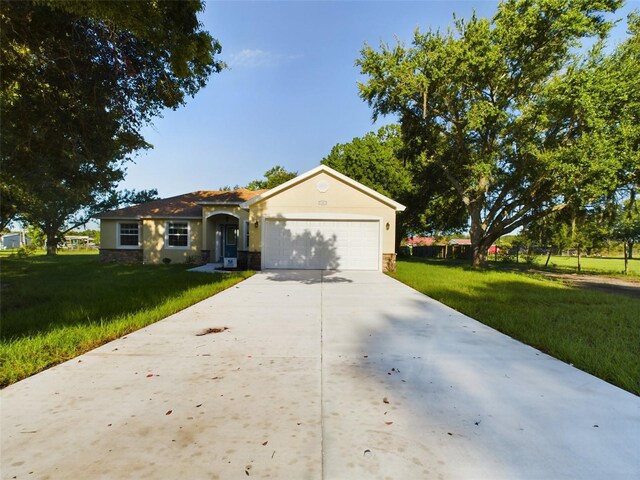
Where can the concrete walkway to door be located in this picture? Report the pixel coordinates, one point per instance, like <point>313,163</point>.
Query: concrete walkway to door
<point>336,375</point>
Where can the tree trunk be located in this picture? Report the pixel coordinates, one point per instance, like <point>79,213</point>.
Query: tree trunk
<point>479,249</point>
<point>626,259</point>
<point>52,244</point>
<point>480,253</point>
<point>630,249</point>
<point>579,266</point>
<point>548,258</point>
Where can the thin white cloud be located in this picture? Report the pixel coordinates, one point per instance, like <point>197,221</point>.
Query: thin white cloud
<point>256,58</point>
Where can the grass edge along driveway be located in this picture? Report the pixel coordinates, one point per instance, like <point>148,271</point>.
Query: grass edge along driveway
<point>596,332</point>
<point>54,309</point>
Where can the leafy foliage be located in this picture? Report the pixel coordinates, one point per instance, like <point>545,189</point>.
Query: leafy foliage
<point>503,112</point>
<point>376,160</point>
<point>79,80</point>
<point>627,226</point>
<point>272,178</point>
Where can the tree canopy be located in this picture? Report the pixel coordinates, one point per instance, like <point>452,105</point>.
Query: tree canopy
<point>503,111</point>
<point>376,160</point>
<point>79,81</point>
<point>272,178</point>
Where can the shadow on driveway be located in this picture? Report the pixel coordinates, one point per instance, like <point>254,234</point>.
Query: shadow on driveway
<point>307,277</point>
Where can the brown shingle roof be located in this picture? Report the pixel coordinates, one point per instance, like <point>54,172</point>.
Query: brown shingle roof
<point>186,205</point>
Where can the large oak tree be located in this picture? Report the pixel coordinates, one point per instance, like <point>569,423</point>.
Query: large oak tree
<point>483,105</point>
<point>79,81</point>
<point>377,161</point>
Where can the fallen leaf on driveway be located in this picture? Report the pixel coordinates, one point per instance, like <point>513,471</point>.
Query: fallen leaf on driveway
<point>207,331</point>
<point>264,443</point>
<point>149,375</point>
<point>385,400</point>
<point>388,423</point>
<point>169,412</point>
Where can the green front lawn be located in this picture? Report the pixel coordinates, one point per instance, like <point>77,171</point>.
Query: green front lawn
<point>597,332</point>
<point>593,265</point>
<point>54,309</point>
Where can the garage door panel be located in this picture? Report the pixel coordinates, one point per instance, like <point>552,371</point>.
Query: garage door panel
<point>322,244</point>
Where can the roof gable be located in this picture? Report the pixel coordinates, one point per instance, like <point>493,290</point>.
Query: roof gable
<point>329,171</point>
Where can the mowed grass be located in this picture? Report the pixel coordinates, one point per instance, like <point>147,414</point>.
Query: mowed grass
<point>54,309</point>
<point>596,332</point>
<point>593,265</point>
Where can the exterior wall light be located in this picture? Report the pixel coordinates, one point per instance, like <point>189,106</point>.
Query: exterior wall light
<point>256,224</point>
<point>388,226</point>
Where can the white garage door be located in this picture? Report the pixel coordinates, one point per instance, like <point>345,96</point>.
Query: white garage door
<point>322,244</point>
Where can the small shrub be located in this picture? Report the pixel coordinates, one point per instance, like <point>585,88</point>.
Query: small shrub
<point>508,258</point>
<point>166,260</point>
<point>26,250</point>
<point>530,258</point>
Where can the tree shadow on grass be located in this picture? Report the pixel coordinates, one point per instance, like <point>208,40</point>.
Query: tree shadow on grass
<point>595,331</point>
<point>42,296</point>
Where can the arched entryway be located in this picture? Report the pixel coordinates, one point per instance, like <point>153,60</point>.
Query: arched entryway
<point>222,236</point>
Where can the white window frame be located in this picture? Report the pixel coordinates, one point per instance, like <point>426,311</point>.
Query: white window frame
<point>118,235</point>
<point>166,235</point>
<point>246,235</point>
<point>129,247</point>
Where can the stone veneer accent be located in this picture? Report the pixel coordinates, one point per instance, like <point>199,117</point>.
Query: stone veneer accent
<point>254,261</point>
<point>117,255</point>
<point>388,262</point>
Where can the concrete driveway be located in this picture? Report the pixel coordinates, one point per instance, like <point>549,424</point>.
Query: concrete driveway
<point>342,375</point>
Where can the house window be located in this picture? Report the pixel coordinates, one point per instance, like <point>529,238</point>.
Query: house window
<point>178,234</point>
<point>246,235</point>
<point>129,235</point>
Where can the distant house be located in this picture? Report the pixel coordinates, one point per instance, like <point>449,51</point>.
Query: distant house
<point>10,241</point>
<point>460,241</point>
<point>466,241</point>
<point>420,241</point>
<point>74,242</point>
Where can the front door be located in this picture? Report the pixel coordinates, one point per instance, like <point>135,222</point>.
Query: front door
<point>230,241</point>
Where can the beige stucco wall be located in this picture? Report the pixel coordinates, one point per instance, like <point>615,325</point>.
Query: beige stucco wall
<point>153,234</point>
<point>153,239</point>
<point>108,233</point>
<point>154,246</point>
<point>341,200</point>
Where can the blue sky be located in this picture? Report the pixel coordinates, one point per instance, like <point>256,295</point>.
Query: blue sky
<point>289,95</point>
